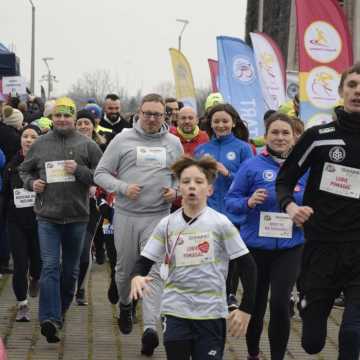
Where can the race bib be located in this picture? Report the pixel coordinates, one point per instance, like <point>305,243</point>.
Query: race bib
<point>107,228</point>
<point>277,225</point>
<point>194,249</point>
<point>341,180</point>
<point>55,172</point>
<point>150,156</point>
<point>24,198</point>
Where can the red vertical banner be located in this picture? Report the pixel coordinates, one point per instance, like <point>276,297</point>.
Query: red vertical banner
<point>325,50</point>
<point>214,73</point>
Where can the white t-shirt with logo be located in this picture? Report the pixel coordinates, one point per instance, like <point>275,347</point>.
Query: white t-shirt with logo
<point>196,286</point>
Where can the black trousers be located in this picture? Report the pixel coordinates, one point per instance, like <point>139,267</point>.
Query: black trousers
<point>277,271</point>
<point>24,244</point>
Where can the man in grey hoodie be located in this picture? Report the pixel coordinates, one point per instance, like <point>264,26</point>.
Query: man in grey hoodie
<point>59,169</point>
<point>136,166</point>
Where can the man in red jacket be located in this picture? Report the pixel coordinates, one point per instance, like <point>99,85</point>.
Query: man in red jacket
<point>187,130</point>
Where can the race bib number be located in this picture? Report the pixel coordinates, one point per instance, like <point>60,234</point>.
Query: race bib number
<point>277,225</point>
<point>341,180</point>
<point>194,249</point>
<point>107,228</point>
<point>55,172</point>
<point>24,198</point>
<point>150,156</point>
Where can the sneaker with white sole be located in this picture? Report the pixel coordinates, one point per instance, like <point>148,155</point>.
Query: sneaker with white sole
<point>23,313</point>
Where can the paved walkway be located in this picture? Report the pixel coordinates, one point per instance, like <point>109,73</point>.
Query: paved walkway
<point>91,332</point>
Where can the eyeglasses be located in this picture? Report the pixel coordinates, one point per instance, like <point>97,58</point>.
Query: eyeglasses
<point>149,114</point>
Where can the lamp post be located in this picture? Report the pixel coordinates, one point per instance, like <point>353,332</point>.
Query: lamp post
<point>184,22</point>
<point>32,76</point>
<point>261,16</point>
<point>49,77</point>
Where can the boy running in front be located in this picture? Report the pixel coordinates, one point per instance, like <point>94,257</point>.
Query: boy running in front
<point>195,245</point>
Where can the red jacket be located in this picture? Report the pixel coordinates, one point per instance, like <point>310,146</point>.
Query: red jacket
<point>190,145</point>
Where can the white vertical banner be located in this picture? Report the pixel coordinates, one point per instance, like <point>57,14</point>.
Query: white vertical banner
<point>270,68</point>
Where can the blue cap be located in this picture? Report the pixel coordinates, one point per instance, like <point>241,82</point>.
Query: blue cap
<point>94,109</point>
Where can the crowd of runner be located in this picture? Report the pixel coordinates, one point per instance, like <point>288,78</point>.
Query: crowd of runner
<point>183,208</point>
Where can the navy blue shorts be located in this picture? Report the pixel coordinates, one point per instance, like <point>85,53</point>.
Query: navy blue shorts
<point>203,339</point>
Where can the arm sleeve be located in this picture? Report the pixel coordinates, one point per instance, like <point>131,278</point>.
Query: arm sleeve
<point>294,167</point>
<point>84,173</point>
<point>142,267</point>
<point>248,276</point>
<point>108,165</point>
<point>236,200</point>
<point>27,170</point>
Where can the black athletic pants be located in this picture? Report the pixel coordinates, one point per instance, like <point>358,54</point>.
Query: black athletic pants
<point>277,271</point>
<point>25,250</point>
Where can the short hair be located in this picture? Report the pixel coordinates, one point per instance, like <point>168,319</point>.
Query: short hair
<point>299,125</point>
<point>279,116</point>
<point>240,130</point>
<point>267,114</point>
<point>205,164</point>
<point>353,69</point>
<point>112,97</point>
<point>152,98</point>
<point>170,99</point>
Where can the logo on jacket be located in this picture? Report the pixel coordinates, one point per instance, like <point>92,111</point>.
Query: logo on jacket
<point>337,153</point>
<point>268,175</point>
<point>231,155</point>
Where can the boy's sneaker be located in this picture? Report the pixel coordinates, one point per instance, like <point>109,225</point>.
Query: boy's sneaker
<point>80,297</point>
<point>34,287</point>
<point>149,341</point>
<point>51,331</point>
<point>125,321</point>
<point>232,303</point>
<point>112,294</point>
<point>23,314</point>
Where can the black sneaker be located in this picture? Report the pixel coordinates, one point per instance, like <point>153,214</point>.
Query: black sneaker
<point>340,301</point>
<point>232,303</point>
<point>51,331</point>
<point>112,293</point>
<point>125,322</point>
<point>149,341</point>
<point>80,297</point>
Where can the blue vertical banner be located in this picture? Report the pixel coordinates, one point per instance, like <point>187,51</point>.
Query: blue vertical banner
<point>239,82</point>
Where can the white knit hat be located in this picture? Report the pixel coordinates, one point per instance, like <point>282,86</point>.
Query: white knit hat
<point>13,117</point>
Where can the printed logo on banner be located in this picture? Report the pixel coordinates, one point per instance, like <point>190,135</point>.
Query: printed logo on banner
<point>322,87</point>
<point>268,175</point>
<point>337,153</point>
<point>181,72</point>
<point>243,70</point>
<point>231,155</point>
<point>322,42</point>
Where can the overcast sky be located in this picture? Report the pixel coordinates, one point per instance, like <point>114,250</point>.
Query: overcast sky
<point>130,38</point>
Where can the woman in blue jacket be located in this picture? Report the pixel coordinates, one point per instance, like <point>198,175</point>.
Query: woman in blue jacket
<point>229,147</point>
<point>273,240</point>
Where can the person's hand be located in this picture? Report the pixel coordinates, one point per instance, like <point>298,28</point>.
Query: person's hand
<point>169,194</point>
<point>238,322</point>
<point>92,191</point>
<point>258,197</point>
<point>139,287</point>
<point>39,186</point>
<point>70,166</point>
<point>133,191</point>
<point>299,214</point>
<point>222,169</point>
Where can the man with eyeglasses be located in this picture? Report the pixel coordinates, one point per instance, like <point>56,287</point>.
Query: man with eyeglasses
<point>59,169</point>
<point>136,166</point>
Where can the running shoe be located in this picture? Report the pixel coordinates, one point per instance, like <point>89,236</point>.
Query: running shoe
<point>149,341</point>
<point>34,287</point>
<point>80,298</point>
<point>23,314</point>
<point>50,330</point>
<point>112,293</point>
<point>340,301</point>
<point>125,321</point>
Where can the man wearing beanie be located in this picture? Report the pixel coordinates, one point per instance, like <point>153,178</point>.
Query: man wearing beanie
<point>59,168</point>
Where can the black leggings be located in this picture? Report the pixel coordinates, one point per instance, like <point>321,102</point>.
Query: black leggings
<point>25,251</point>
<point>277,270</point>
<point>314,318</point>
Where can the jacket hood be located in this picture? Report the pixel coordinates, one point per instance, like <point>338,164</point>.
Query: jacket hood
<point>163,130</point>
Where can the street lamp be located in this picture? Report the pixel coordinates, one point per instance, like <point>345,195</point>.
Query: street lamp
<point>49,77</point>
<point>32,76</point>
<point>184,22</point>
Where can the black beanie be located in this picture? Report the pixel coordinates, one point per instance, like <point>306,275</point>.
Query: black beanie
<point>87,115</point>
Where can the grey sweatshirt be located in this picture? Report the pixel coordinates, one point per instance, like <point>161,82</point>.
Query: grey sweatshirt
<point>61,202</point>
<point>135,157</point>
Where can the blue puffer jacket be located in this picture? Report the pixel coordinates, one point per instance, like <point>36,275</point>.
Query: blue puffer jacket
<point>231,152</point>
<point>255,173</point>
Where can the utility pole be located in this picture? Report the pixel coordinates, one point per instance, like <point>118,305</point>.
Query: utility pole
<point>185,23</point>
<point>261,16</point>
<point>32,77</point>
<point>49,77</point>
